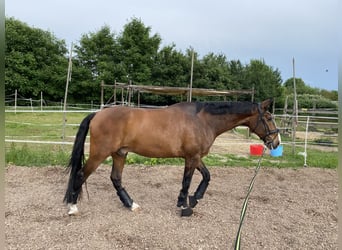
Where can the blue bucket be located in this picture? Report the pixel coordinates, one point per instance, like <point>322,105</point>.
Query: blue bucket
<point>277,152</point>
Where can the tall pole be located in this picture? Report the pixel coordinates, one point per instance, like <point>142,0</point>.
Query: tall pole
<point>41,100</point>
<point>102,86</point>
<point>66,89</point>
<point>15,101</point>
<point>191,75</point>
<point>295,109</point>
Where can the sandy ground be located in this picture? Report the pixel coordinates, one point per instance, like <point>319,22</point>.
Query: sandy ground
<point>288,209</point>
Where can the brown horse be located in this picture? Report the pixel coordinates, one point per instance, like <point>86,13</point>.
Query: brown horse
<point>185,130</point>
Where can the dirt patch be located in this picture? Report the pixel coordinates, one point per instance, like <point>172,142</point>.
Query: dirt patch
<point>288,209</point>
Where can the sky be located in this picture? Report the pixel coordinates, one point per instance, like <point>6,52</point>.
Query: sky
<point>275,31</point>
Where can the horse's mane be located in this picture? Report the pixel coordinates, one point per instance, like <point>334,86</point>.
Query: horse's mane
<point>221,108</point>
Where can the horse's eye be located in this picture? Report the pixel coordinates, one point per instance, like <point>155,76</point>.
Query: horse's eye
<point>268,117</point>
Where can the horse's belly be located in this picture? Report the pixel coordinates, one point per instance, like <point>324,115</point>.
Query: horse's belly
<point>156,150</point>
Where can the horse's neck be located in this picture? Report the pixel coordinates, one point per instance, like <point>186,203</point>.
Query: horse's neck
<point>223,123</point>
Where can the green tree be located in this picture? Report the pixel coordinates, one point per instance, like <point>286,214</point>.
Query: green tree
<point>301,87</point>
<point>35,61</point>
<point>215,71</point>
<point>237,74</point>
<point>309,97</point>
<point>331,95</point>
<point>97,52</point>
<point>96,60</point>
<point>211,72</point>
<point>170,68</point>
<point>138,50</point>
<point>265,80</point>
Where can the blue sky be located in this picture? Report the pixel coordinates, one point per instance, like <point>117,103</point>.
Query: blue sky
<point>276,31</point>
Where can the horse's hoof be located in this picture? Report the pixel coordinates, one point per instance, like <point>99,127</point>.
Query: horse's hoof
<point>135,207</point>
<point>73,210</point>
<point>186,211</point>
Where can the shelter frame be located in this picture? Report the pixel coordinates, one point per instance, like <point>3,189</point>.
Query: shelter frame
<point>165,90</point>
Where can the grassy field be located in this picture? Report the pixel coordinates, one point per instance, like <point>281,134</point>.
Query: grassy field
<point>41,126</point>
<point>48,126</point>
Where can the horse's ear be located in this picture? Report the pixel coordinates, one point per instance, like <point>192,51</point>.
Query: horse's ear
<point>265,105</point>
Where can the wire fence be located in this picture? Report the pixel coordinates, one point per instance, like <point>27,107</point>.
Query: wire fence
<point>18,103</point>
<point>314,127</point>
<point>310,130</point>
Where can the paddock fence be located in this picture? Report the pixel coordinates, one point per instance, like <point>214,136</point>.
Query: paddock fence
<point>311,130</point>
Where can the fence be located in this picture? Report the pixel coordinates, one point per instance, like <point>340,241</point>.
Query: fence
<point>19,103</point>
<point>310,130</point>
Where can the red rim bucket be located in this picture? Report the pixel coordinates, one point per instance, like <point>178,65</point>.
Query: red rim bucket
<point>256,149</point>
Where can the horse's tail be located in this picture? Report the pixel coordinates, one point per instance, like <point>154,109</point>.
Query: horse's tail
<point>77,157</point>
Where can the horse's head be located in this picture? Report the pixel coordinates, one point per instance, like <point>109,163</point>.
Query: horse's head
<point>264,126</point>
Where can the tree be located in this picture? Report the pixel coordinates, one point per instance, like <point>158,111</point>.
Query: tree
<point>97,52</point>
<point>103,56</point>
<point>265,80</point>
<point>301,87</point>
<point>35,61</point>
<point>138,50</point>
<point>214,71</point>
<point>331,95</point>
<point>309,97</point>
<point>170,68</point>
<point>237,74</point>
<point>96,60</point>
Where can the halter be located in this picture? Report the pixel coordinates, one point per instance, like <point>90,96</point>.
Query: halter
<point>266,127</point>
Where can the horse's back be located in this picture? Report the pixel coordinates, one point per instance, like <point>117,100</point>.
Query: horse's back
<point>165,132</point>
<point>129,115</point>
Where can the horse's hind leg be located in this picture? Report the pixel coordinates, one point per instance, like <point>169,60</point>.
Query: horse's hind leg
<point>116,176</point>
<point>90,166</point>
<point>193,200</point>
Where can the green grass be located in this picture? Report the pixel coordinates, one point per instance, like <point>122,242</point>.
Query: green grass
<point>49,126</point>
<point>47,155</point>
<point>46,126</point>
<point>40,126</point>
<point>28,155</point>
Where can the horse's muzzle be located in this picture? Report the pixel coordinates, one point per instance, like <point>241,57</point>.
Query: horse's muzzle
<point>274,142</point>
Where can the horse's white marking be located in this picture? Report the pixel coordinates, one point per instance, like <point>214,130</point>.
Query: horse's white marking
<point>279,138</point>
<point>135,207</point>
<point>73,210</point>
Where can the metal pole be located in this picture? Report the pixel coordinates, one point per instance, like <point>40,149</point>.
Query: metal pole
<point>66,90</point>
<point>306,140</point>
<point>295,109</point>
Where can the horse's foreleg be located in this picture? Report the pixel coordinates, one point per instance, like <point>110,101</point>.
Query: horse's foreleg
<point>202,187</point>
<point>116,176</point>
<point>183,195</point>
